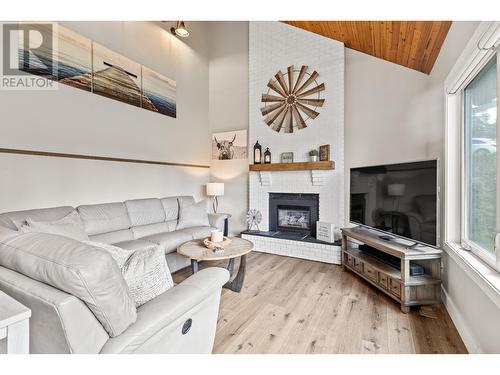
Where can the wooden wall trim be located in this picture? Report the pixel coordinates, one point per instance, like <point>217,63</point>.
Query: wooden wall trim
<point>94,157</point>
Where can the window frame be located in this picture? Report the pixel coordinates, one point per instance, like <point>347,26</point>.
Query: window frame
<point>467,65</point>
<point>491,259</point>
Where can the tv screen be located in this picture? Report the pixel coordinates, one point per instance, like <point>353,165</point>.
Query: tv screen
<point>400,199</point>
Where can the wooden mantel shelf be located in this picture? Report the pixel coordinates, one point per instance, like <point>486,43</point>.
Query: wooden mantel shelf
<point>305,166</point>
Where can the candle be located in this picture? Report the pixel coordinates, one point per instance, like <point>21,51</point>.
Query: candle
<point>217,236</point>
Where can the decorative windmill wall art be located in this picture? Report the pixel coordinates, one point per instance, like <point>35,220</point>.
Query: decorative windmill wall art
<point>290,102</point>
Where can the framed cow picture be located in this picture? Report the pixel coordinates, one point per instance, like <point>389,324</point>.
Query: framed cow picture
<point>229,145</point>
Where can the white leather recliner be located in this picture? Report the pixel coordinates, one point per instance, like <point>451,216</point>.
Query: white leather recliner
<point>181,320</point>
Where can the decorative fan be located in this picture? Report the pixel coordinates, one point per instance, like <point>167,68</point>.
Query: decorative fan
<point>254,217</point>
<point>289,102</point>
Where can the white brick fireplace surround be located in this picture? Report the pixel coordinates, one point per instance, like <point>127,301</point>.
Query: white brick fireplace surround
<point>275,46</point>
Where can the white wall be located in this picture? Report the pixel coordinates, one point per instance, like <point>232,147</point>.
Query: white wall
<point>73,121</point>
<point>228,110</point>
<point>384,111</point>
<point>385,114</point>
<point>474,313</point>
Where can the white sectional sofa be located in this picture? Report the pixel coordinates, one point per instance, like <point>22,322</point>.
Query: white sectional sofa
<point>181,320</point>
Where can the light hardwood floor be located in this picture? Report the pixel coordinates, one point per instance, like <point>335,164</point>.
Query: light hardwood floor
<point>290,305</point>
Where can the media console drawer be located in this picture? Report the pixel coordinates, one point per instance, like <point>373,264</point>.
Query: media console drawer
<point>369,272</point>
<point>350,260</point>
<point>358,265</point>
<point>395,287</point>
<point>382,280</point>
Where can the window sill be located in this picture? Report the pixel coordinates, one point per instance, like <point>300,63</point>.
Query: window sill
<point>482,274</point>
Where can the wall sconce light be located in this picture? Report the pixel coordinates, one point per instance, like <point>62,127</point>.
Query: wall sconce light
<point>180,29</point>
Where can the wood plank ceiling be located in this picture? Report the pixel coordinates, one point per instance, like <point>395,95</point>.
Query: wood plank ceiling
<point>414,44</point>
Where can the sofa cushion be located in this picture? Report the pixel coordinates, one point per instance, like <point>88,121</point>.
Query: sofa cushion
<point>171,208</point>
<point>145,211</point>
<point>217,220</point>
<point>192,215</point>
<point>104,218</point>
<point>112,237</point>
<point>147,275</point>
<point>14,220</point>
<point>169,241</point>
<point>186,200</point>
<point>171,224</point>
<point>69,226</point>
<point>147,230</point>
<point>84,271</point>
<point>176,261</point>
<point>135,245</point>
<point>198,232</point>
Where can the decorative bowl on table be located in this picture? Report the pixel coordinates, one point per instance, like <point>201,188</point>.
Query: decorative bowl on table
<point>216,245</point>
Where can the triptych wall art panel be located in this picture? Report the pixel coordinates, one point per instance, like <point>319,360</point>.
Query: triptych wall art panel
<point>79,62</point>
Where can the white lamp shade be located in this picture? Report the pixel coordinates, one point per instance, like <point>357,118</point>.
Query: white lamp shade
<point>396,190</point>
<point>215,189</point>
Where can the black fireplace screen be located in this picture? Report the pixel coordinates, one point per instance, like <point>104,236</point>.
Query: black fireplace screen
<point>297,213</point>
<point>289,217</point>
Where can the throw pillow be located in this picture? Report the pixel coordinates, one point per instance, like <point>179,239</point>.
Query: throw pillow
<point>147,275</point>
<point>145,271</point>
<point>69,226</point>
<point>193,215</point>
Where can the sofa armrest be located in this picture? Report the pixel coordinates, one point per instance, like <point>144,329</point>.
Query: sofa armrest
<point>60,323</point>
<point>161,322</point>
<point>217,220</point>
<point>207,280</point>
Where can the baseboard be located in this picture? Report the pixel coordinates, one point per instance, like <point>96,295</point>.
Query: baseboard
<point>458,320</point>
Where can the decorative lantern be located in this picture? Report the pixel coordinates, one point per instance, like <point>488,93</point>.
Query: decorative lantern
<point>267,156</point>
<point>257,153</point>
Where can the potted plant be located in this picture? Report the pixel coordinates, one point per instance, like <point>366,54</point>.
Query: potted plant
<point>314,155</point>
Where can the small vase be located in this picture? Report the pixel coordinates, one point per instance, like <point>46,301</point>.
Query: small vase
<point>314,158</point>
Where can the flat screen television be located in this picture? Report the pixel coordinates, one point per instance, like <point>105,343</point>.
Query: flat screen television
<point>399,199</point>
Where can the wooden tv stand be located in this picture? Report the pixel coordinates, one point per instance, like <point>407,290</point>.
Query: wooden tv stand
<point>395,282</point>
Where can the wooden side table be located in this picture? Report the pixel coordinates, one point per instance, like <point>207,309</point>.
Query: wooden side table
<point>14,325</point>
<point>238,248</point>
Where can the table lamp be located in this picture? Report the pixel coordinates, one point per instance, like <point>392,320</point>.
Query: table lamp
<point>215,189</point>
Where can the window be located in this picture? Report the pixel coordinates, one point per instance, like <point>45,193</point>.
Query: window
<point>480,206</point>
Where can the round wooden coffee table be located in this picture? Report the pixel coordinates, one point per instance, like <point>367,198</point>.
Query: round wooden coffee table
<point>239,247</point>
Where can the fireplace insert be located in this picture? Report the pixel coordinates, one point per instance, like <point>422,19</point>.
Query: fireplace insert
<point>294,213</point>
